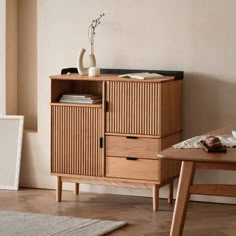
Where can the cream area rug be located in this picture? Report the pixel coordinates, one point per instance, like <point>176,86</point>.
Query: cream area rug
<point>27,224</point>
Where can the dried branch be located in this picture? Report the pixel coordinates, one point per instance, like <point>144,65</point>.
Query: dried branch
<point>92,29</point>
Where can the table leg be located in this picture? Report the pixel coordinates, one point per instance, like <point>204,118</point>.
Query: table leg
<point>185,181</point>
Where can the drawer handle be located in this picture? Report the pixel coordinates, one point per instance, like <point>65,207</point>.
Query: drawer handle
<point>131,158</point>
<point>131,137</point>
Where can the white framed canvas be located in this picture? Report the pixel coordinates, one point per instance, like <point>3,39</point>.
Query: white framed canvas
<point>11,136</point>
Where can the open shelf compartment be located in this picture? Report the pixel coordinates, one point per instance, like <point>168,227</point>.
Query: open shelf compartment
<point>60,87</point>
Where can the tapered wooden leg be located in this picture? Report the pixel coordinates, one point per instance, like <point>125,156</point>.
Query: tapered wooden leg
<point>76,190</point>
<point>59,189</point>
<point>171,188</point>
<point>182,198</point>
<point>155,197</point>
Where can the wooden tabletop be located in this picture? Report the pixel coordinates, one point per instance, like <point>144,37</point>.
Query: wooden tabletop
<point>199,154</point>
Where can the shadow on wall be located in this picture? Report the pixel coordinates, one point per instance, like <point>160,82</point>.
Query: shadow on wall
<point>208,103</point>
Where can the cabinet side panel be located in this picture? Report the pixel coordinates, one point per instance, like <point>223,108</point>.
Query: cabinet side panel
<point>170,140</point>
<point>133,108</point>
<point>170,114</point>
<point>169,168</point>
<point>76,133</point>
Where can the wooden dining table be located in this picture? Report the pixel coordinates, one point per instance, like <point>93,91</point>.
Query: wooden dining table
<point>191,160</point>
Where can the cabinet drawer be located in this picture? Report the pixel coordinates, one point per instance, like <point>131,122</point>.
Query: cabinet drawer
<point>124,146</point>
<point>142,169</point>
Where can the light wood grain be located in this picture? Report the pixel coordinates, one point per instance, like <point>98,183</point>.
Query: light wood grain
<point>59,189</point>
<point>109,181</point>
<point>131,146</point>
<point>132,169</point>
<point>199,155</point>
<point>170,140</point>
<point>108,77</point>
<point>136,135</point>
<point>75,145</point>
<point>215,166</point>
<point>168,169</point>
<point>99,105</point>
<point>130,110</point>
<point>87,87</point>
<point>103,122</point>
<point>135,146</point>
<point>59,87</point>
<point>155,197</point>
<point>105,178</point>
<point>170,107</point>
<point>214,189</point>
<point>185,181</point>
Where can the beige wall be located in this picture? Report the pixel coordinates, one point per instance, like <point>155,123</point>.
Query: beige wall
<point>21,60</point>
<point>11,57</point>
<point>2,57</point>
<point>197,37</point>
<point>27,62</point>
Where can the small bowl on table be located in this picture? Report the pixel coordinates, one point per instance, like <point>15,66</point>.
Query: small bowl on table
<point>234,133</point>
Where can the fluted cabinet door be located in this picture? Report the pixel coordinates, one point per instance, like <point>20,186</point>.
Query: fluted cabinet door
<point>75,142</point>
<point>132,108</point>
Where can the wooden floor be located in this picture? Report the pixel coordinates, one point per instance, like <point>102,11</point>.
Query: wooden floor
<point>203,219</point>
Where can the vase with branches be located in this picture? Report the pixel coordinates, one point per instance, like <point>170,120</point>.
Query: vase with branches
<point>91,36</point>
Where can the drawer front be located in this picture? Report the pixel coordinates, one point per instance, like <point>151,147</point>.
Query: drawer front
<point>129,146</point>
<point>142,169</point>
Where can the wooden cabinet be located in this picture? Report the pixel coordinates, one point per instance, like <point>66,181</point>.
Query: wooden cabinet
<point>115,142</point>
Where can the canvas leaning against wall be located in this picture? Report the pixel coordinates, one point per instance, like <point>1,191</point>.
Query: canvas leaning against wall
<point>11,135</point>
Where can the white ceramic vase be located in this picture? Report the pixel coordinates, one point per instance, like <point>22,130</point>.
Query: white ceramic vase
<point>80,62</point>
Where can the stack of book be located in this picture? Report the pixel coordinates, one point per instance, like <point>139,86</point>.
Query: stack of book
<point>81,98</point>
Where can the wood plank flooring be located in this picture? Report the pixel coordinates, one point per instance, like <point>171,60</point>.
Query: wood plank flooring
<point>203,219</point>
